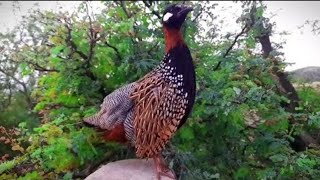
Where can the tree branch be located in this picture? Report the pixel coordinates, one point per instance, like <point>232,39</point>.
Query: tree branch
<point>198,15</point>
<point>6,103</point>
<point>115,49</point>
<point>123,6</point>
<point>37,67</point>
<point>152,10</point>
<point>231,46</point>
<point>69,41</point>
<point>152,48</point>
<point>92,39</point>
<point>24,86</point>
<point>235,40</point>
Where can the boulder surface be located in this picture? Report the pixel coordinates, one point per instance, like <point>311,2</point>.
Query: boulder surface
<point>129,169</point>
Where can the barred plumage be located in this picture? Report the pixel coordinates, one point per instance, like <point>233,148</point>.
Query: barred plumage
<point>160,103</point>
<point>114,109</point>
<point>128,127</point>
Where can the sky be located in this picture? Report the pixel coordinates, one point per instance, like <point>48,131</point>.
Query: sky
<point>302,46</point>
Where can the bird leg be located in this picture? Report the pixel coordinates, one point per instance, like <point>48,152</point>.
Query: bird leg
<point>162,168</point>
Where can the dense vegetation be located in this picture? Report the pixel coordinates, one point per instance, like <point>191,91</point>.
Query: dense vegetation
<point>248,122</point>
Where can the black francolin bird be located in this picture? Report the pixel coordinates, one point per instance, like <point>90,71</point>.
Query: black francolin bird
<point>148,112</point>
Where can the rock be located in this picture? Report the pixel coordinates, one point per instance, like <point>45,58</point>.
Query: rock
<point>130,169</point>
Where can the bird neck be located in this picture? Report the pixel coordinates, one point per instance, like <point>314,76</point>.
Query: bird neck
<point>173,38</point>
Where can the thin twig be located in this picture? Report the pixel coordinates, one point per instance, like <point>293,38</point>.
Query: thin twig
<point>152,10</point>
<point>230,47</point>
<point>123,6</point>
<point>114,48</point>
<point>24,86</point>
<point>198,15</point>
<point>69,41</point>
<point>235,40</point>
<point>37,67</point>
<point>92,38</point>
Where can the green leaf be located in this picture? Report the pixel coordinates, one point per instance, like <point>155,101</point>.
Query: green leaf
<point>279,158</point>
<point>242,173</point>
<point>187,133</point>
<point>237,90</point>
<point>250,42</point>
<point>259,12</point>
<point>68,176</point>
<point>7,165</point>
<point>55,60</point>
<point>34,175</point>
<point>56,50</point>
<point>25,69</point>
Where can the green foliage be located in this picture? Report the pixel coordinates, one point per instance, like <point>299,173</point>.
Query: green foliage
<point>310,98</point>
<point>18,112</point>
<point>31,176</point>
<point>237,130</point>
<point>7,165</point>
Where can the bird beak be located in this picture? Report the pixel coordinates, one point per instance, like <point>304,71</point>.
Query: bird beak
<point>184,11</point>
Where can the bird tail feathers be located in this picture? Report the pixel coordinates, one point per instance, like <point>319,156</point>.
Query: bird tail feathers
<point>92,120</point>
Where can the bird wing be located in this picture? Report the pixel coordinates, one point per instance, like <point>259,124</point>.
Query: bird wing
<point>158,109</point>
<point>114,109</point>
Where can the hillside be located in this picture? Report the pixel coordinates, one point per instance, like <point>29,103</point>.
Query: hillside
<point>306,74</point>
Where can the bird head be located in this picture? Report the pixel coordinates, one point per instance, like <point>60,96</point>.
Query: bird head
<point>174,15</point>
